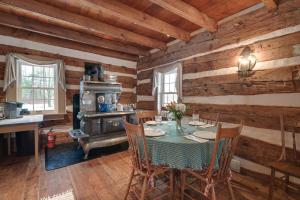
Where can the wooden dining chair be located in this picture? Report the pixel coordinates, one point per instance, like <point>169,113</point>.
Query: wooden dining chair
<point>142,169</point>
<point>285,165</point>
<point>144,116</point>
<point>204,181</point>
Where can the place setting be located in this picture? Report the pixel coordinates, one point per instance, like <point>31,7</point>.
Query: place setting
<point>200,124</point>
<point>202,136</point>
<point>157,121</point>
<point>149,132</point>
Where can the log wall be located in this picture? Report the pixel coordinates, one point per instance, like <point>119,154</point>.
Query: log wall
<point>211,84</point>
<point>126,75</point>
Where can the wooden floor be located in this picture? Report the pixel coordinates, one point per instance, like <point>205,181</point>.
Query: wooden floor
<point>103,178</point>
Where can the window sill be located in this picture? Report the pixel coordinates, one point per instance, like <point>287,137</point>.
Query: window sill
<point>51,116</point>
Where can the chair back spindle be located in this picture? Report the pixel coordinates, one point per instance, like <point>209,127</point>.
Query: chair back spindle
<point>283,153</point>
<point>225,145</point>
<point>137,146</point>
<point>283,156</point>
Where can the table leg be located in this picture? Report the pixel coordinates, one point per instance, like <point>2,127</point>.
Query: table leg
<point>8,144</point>
<point>172,181</point>
<point>36,144</point>
<point>178,184</point>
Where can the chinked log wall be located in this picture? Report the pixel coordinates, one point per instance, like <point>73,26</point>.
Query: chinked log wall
<point>211,84</point>
<point>74,71</point>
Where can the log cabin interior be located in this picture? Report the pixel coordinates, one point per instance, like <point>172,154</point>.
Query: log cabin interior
<point>149,99</point>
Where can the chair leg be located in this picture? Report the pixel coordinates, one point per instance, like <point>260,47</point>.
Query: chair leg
<point>144,188</point>
<point>287,181</point>
<point>271,184</point>
<point>230,190</point>
<point>182,183</point>
<point>213,193</point>
<point>129,184</point>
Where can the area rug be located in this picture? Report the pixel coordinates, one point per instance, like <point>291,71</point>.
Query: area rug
<point>68,195</point>
<point>69,154</point>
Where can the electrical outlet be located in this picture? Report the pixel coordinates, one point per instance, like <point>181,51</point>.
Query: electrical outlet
<point>235,165</point>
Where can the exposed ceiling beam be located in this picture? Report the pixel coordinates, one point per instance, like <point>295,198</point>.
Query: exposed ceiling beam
<point>48,29</point>
<point>270,4</point>
<point>63,18</point>
<point>188,12</point>
<point>36,37</point>
<point>116,9</point>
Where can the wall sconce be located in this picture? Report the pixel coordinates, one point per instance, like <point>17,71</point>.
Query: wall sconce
<point>246,62</point>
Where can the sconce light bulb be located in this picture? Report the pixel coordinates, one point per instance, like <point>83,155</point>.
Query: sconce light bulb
<point>244,61</point>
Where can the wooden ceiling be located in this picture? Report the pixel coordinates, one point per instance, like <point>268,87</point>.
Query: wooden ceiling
<point>117,28</point>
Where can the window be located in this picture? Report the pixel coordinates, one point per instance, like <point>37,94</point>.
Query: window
<point>168,90</point>
<point>37,86</point>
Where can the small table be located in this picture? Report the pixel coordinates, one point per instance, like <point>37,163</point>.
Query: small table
<point>25,123</point>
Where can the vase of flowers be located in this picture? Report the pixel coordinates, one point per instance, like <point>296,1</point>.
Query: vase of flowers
<point>178,110</point>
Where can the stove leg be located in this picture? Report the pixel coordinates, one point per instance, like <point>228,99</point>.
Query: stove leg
<point>86,155</point>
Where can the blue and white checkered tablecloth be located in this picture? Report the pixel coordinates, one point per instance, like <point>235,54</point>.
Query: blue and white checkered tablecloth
<point>174,150</point>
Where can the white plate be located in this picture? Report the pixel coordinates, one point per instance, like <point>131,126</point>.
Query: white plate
<point>205,134</point>
<point>151,123</point>
<point>196,123</point>
<point>207,126</point>
<point>149,132</point>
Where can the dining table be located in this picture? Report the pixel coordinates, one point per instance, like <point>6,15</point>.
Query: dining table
<point>175,150</point>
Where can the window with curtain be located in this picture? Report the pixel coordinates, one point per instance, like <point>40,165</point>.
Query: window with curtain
<point>37,86</point>
<point>167,84</point>
<point>168,88</point>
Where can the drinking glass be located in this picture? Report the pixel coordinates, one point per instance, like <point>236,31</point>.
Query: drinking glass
<point>158,119</point>
<point>164,114</point>
<point>195,117</point>
<point>170,118</point>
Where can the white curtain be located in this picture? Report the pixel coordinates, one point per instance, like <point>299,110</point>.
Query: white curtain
<point>157,76</point>
<point>10,75</point>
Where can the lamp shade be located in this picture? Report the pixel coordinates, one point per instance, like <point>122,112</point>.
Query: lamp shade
<point>246,62</point>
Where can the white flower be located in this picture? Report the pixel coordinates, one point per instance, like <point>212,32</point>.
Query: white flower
<point>180,107</point>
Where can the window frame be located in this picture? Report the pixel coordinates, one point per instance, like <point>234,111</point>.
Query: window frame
<point>19,63</point>
<point>162,90</point>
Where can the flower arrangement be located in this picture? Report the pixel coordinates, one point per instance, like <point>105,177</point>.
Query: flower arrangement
<point>178,110</point>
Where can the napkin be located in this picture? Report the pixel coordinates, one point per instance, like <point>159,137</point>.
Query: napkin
<point>206,126</point>
<point>191,137</point>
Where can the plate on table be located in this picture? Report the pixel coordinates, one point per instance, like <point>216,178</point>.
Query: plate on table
<point>151,123</point>
<point>149,132</point>
<point>205,135</point>
<point>196,123</point>
<point>207,125</point>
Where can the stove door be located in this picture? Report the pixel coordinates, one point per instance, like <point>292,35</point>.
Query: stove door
<point>91,126</point>
<point>112,124</point>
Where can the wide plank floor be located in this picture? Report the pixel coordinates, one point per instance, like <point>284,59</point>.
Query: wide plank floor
<point>104,178</point>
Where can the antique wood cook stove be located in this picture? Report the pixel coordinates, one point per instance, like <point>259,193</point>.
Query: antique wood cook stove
<point>100,129</point>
